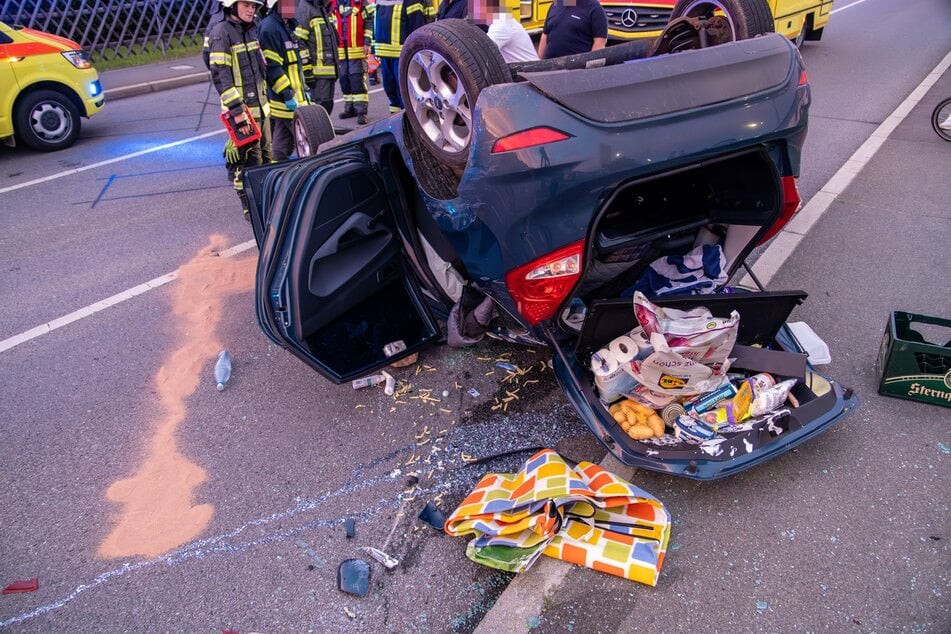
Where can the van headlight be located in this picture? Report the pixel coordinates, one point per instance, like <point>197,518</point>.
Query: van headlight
<point>77,59</point>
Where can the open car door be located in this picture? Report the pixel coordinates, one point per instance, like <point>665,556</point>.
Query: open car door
<point>332,285</point>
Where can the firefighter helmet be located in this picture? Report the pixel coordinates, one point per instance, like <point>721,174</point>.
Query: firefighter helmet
<point>230,3</point>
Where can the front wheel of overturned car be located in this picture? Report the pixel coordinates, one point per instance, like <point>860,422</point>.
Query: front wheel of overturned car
<point>746,18</point>
<point>312,128</point>
<point>443,68</point>
<point>46,120</point>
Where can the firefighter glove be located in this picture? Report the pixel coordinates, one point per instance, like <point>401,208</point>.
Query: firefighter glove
<point>232,154</point>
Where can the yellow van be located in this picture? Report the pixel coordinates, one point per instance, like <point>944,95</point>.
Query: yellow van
<point>46,84</point>
<point>799,20</point>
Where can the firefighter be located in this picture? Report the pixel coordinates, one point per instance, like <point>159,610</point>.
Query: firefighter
<point>285,80</point>
<point>238,72</point>
<point>354,34</point>
<point>318,42</point>
<point>393,22</point>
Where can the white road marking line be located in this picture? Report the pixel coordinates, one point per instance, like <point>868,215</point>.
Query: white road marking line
<point>792,234</point>
<point>125,157</point>
<point>118,298</point>
<point>848,6</point>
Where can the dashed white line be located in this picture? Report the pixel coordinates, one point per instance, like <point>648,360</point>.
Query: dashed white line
<point>118,298</point>
<point>848,6</point>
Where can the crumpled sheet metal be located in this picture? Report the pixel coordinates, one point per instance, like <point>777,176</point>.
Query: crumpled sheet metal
<point>584,515</point>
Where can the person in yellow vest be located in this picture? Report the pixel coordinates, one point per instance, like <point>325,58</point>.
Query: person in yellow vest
<point>285,79</point>
<point>238,73</point>
<point>393,21</point>
<point>354,34</point>
<point>318,41</point>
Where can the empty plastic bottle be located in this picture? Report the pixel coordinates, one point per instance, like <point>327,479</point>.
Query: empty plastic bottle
<point>223,369</point>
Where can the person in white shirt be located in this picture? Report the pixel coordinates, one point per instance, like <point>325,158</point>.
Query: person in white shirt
<point>505,30</point>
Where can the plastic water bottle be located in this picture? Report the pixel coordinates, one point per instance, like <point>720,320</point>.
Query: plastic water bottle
<point>223,369</point>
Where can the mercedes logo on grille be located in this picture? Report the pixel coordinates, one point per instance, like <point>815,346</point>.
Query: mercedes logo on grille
<point>628,18</point>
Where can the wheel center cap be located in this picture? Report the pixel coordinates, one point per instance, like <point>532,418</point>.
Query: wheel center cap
<point>438,102</point>
<point>49,120</point>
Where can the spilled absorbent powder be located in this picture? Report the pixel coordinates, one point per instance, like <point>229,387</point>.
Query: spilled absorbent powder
<point>158,509</point>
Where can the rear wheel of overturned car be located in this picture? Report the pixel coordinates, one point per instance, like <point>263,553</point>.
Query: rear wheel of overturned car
<point>746,18</point>
<point>443,68</point>
<point>46,120</point>
<point>312,128</point>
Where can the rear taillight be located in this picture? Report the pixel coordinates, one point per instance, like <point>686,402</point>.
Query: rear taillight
<point>803,78</point>
<point>528,138</point>
<point>790,207</point>
<point>541,286</point>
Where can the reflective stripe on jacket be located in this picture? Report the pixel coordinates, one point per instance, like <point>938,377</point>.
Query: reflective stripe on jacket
<point>318,40</point>
<point>284,78</point>
<point>393,22</point>
<point>237,68</point>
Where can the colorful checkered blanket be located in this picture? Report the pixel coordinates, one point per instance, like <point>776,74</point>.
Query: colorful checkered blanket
<point>584,515</point>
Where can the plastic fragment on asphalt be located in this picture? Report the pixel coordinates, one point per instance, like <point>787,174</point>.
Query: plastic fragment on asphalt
<point>474,393</point>
<point>944,447</point>
<point>388,562</point>
<point>350,527</point>
<point>23,585</point>
<point>349,612</point>
<point>389,383</point>
<point>432,516</point>
<point>761,605</point>
<point>507,366</point>
<point>353,577</point>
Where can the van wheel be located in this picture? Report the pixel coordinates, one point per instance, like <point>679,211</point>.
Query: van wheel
<point>443,68</point>
<point>746,18</point>
<point>46,120</point>
<point>312,128</point>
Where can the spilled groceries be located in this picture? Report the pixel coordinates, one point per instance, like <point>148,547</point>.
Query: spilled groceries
<point>671,380</point>
<point>584,515</point>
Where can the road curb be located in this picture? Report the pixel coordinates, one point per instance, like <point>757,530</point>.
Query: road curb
<point>524,598</point>
<point>157,85</point>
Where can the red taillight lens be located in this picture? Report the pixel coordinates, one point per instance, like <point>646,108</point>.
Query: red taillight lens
<point>803,78</point>
<point>528,138</point>
<point>540,286</point>
<point>790,207</point>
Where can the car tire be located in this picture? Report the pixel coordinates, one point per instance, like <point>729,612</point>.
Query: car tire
<point>747,18</point>
<point>312,128</point>
<point>46,120</point>
<point>443,68</point>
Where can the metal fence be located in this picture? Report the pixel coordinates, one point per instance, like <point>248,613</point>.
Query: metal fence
<point>114,28</point>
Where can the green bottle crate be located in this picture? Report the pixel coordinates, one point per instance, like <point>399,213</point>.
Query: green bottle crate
<point>912,368</point>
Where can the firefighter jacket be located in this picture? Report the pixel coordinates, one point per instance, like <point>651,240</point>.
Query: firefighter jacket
<point>354,23</point>
<point>393,22</point>
<point>237,68</point>
<point>285,79</point>
<point>318,39</point>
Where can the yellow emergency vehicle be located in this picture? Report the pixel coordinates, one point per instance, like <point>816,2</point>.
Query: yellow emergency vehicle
<point>46,84</point>
<point>799,20</point>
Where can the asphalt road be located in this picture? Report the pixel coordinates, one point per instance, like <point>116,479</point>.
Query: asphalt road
<point>144,500</point>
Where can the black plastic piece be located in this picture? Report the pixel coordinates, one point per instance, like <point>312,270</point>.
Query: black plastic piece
<point>353,577</point>
<point>350,526</point>
<point>432,516</point>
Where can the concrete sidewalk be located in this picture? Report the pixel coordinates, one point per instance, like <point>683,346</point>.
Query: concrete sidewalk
<point>139,80</point>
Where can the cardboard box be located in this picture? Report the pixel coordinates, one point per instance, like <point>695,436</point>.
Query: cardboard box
<point>909,366</point>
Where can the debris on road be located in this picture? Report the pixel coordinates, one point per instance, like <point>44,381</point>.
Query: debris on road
<point>25,585</point>
<point>349,612</point>
<point>542,496</point>
<point>350,526</point>
<point>432,516</point>
<point>368,381</point>
<point>353,577</point>
<point>223,369</point>
<point>388,562</point>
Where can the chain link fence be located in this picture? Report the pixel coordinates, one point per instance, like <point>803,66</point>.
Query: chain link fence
<point>107,29</point>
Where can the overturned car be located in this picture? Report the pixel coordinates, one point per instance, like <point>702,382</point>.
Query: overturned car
<point>528,199</point>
